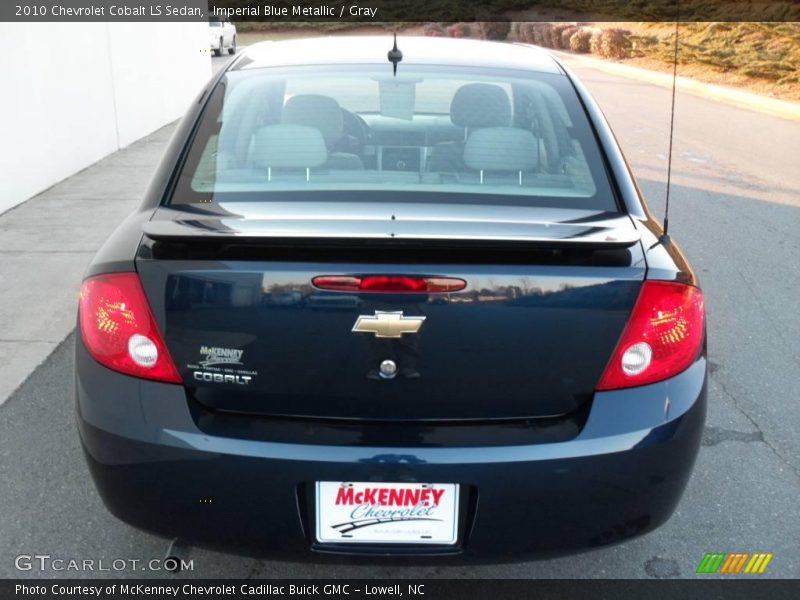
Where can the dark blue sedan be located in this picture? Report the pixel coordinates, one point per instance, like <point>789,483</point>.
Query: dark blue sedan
<point>404,304</point>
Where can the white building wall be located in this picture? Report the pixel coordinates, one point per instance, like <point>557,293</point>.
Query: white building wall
<point>71,93</point>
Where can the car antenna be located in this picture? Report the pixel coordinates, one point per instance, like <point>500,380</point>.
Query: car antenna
<point>664,238</point>
<point>394,55</point>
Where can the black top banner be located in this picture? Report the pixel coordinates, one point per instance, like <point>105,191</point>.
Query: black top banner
<point>431,589</point>
<point>417,11</point>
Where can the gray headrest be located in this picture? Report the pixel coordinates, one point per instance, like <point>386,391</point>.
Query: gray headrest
<point>480,105</point>
<point>314,110</point>
<point>501,149</point>
<point>288,147</point>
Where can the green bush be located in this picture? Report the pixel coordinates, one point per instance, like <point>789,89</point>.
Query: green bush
<point>527,32</point>
<point>434,30</point>
<point>580,41</point>
<point>566,35</point>
<point>555,34</point>
<point>459,30</point>
<point>522,32</point>
<point>612,43</point>
<point>541,34</point>
<point>494,30</point>
<point>596,41</point>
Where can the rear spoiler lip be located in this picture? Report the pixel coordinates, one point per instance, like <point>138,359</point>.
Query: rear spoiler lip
<point>597,235</point>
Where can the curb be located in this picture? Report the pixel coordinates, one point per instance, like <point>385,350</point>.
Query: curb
<point>783,109</point>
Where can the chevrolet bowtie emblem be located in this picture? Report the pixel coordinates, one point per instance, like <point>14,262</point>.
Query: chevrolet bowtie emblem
<point>387,324</point>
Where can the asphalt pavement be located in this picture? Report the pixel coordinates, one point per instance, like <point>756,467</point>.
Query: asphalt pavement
<point>735,210</point>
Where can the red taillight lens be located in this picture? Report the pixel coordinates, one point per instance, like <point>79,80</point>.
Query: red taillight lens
<point>664,335</point>
<point>388,283</point>
<point>119,330</point>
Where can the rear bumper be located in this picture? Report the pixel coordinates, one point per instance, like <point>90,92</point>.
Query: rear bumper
<point>620,477</point>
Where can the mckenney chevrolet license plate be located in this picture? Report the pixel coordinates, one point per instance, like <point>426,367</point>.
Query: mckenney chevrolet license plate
<point>390,513</point>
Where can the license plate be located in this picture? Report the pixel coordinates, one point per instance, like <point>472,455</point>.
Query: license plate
<point>386,513</point>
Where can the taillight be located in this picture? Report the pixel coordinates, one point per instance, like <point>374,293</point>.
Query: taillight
<point>664,335</point>
<point>119,330</point>
<point>388,283</point>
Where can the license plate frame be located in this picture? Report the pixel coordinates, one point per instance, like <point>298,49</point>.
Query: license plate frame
<point>384,513</point>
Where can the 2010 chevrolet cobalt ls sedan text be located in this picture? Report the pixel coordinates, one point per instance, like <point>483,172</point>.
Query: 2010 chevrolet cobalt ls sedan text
<point>413,306</point>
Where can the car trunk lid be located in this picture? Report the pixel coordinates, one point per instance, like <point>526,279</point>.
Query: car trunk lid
<point>544,304</point>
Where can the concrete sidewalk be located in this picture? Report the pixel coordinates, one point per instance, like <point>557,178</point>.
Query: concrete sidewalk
<point>46,244</point>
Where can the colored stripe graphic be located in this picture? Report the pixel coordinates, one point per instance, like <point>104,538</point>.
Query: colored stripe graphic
<point>758,563</point>
<point>711,562</point>
<point>734,562</point>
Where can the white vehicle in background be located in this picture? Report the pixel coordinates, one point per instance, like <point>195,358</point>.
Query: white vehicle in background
<point>222,36</point>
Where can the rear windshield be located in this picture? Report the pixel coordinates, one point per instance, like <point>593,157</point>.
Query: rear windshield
<point>428,134</point>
